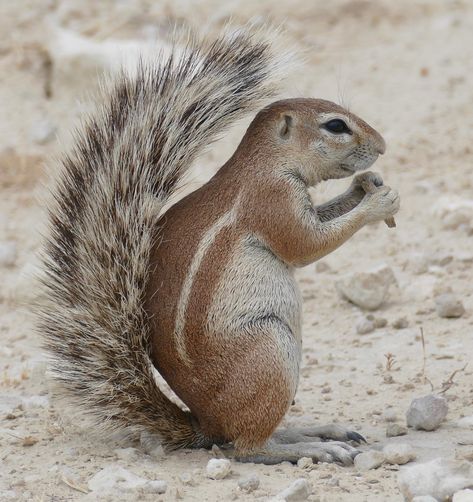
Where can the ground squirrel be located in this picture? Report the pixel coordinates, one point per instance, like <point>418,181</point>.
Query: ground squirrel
<point>204,292</point>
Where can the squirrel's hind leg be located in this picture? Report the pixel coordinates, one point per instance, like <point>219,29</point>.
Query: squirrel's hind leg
<point>331,432</point>
<point>275,453</point>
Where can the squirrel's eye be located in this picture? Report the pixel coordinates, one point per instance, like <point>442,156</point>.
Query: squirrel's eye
<point>336,126</point>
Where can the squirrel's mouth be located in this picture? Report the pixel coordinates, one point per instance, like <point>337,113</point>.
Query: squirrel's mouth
<point>346,168</point>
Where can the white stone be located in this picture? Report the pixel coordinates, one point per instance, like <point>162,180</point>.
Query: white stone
<point>390,415</point>
<point>465,422</point>
<point>8,252</point>
<point>454,212</point>
<point>424,498</point>
<point>395,430</point>
<point>218,468</point>
<point>322,266</point>
<point>186,478</point>
<point>115,477</point>
<point>399,453</point>
<point>297,491</point>
<point>463,496</point>
<point>249,484</point>
<point>438,478</point>
<point>42,132</point>
<point>32,402</point>
<point>368,290</point>
<point>427,412</point>
<point>305,463</point>
<point>369,460</point>
<point>365,326</point>
<point>449,306</point>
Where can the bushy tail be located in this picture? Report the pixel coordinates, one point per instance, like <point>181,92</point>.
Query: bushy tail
<point>127,160</point>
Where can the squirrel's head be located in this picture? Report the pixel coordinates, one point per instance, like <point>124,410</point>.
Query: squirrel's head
<point>321,138</point>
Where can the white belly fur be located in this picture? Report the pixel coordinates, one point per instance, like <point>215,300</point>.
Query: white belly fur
<point>255,285</point>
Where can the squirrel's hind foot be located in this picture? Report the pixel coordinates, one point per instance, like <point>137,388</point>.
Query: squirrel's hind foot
<point>275,453</point>
<point>330,432</point>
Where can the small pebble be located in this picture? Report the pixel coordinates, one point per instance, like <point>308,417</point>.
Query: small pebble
<point>297,491</point>
<point>369,460</point>
<point>42,132</point>
<point>305,463</point>
<point>390,415</point>
<point>8,252</point>
<point>449,306</point>
<point>401,323</point>
<point>186,478</point>
<point>439,478</point>
<point>249,483</point>
<point>465,422</point>
<point>322,266</point>
<point>115,477</point>
<point>427,412</point>
<point>399,453</point>
<point>395,430</point>
<point>454,212</point>
<point>380,322</point>
<point>368,290</point>
<point>365,326</point>
<point>218,468</point>
<point>463,496</point>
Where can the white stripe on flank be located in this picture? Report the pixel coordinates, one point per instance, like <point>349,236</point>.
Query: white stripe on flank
<point>209,237</point>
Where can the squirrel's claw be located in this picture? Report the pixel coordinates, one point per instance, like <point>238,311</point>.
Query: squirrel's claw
<point>357,438</point>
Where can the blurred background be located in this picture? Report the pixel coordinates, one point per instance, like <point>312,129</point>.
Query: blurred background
<point>404,66</point>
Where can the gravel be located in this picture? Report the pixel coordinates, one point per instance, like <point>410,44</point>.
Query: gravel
<point>368,460</point>
<point>297,491</point>
<point>427,412</point>
<point>368,290</point>
<point>438,478</point>
<point>218,468</point>
<point>395,430</point>
<point>449,306</point>
<point>115,477</point>
<point>399,453</point>
<point>249,484</point>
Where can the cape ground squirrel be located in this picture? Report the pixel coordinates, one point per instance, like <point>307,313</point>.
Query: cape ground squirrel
<point>204,292</point>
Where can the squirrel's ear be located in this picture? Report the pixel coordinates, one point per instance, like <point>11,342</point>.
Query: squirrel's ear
<point>285,126</point>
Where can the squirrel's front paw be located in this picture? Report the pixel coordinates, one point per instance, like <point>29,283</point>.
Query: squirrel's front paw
<point>381,204</point>
<point>367,179</point>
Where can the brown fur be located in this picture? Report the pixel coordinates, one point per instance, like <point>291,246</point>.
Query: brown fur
<point>236,384</point>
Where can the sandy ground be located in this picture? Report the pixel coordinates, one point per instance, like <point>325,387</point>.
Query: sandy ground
<point>406,67</point>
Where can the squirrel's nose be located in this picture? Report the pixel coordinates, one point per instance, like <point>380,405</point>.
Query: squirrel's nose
<point>380,145</point>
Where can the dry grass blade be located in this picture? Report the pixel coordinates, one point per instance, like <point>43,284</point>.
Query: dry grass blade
<point>449,383</point>
<point>424,359</point>
<point>390,361</point>
<point>74,484</point>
